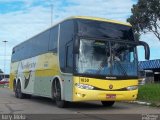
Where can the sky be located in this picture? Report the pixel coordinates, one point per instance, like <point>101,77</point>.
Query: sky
<point>22,19</point>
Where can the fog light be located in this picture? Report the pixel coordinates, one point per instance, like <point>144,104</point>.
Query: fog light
<point>78,94</point>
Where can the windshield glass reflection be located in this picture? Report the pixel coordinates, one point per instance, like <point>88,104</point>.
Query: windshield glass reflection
<point>106,58</point>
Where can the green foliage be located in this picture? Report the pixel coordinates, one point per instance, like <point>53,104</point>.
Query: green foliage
<point>2,86</point>
<point>137,36</point>
<point>149,93</point>
<point>146,17</point>
<point>1,71</point>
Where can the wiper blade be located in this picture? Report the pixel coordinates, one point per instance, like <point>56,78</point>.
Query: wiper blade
<point>102,65</point>
<point>122,68</point>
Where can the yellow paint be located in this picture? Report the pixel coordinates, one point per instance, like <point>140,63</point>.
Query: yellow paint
<point>104,84</point>
<point>83,95</point>
<point>12,76</point>
<point>13,71</point>
<point>100,19</point>
<point>46,73</point>
<point>46,65</point>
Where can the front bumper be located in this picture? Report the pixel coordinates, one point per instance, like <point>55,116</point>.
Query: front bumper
<point>87,95</point>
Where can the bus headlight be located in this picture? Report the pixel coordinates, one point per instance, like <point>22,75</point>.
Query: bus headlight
<point>132,87</point>
<point>84,86</point>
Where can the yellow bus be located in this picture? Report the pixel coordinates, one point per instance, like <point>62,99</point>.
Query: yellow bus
<point>78,59</point>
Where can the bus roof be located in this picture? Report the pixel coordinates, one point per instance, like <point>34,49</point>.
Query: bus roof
<point>99,19</point>
<point>80,17</point>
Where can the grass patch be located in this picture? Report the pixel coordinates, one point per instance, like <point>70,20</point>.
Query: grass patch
<point>150,93</point>
<point>2,86</point>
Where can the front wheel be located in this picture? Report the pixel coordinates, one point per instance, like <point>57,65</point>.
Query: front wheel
<point>57,94</point>
<point>107,103</point>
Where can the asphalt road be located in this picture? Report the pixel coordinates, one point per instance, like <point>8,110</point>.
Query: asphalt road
<point>46,108</point>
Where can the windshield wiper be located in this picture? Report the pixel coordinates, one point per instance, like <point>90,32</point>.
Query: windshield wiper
<point>121,67</point>
<point>102,65</point>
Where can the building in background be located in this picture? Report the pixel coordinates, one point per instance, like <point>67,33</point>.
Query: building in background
<point>2,75</point>
<point>151,70</point>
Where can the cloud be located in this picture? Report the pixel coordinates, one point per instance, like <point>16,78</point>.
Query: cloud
<point>19,26</point>
<point>151,39</point>
<point>111,9</point>
<point>154,45</point>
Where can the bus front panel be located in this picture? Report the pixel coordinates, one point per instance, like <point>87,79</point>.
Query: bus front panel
<point>85,88</point>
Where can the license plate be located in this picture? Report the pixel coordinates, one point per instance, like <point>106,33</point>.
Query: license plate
<point>111,96</point>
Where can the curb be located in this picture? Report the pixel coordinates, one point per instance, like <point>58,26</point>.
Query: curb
<point>141,103</point>
<point>145,103</point>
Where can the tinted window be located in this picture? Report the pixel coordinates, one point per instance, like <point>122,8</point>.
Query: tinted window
<point>99,29</point>
<point>69,56</point>
<point>66,46</point>
<point>32,47</point>
<point>40,43</point>
<point>53,39</point>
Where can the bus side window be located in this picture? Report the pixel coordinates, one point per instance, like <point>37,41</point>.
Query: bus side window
<point>69,56</point>
<point>66,42</point>
<point>53,39</point>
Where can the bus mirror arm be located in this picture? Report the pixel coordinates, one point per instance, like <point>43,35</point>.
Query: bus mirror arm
<point>147,49</point>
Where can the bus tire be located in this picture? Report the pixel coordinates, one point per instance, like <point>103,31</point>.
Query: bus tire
<point>107,103</point>
<point>19,91</point>
<point>57,94</point>
<point>15,89</point>
<point>28,96</point>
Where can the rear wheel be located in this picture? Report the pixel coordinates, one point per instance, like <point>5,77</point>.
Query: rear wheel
<point>57,94</point>
<point>107,103</point>
<point>15,89</point>
<point>28,96</point>
<point>18,91</point>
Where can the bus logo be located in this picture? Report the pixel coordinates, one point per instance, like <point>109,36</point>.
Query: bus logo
<point>27,80</point>
<point>110,86</point>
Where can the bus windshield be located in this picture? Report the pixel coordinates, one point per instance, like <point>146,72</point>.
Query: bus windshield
<point>99,29</point>
<point>106,58</point>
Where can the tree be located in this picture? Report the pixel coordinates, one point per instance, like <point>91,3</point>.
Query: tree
<point>1,71</point>
<point>146,17</point>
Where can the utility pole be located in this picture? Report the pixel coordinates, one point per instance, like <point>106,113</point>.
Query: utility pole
<point>5,41</point>
<point>51,14</point>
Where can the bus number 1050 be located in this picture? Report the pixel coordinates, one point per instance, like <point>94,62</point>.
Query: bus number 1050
<point>84,79</point>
